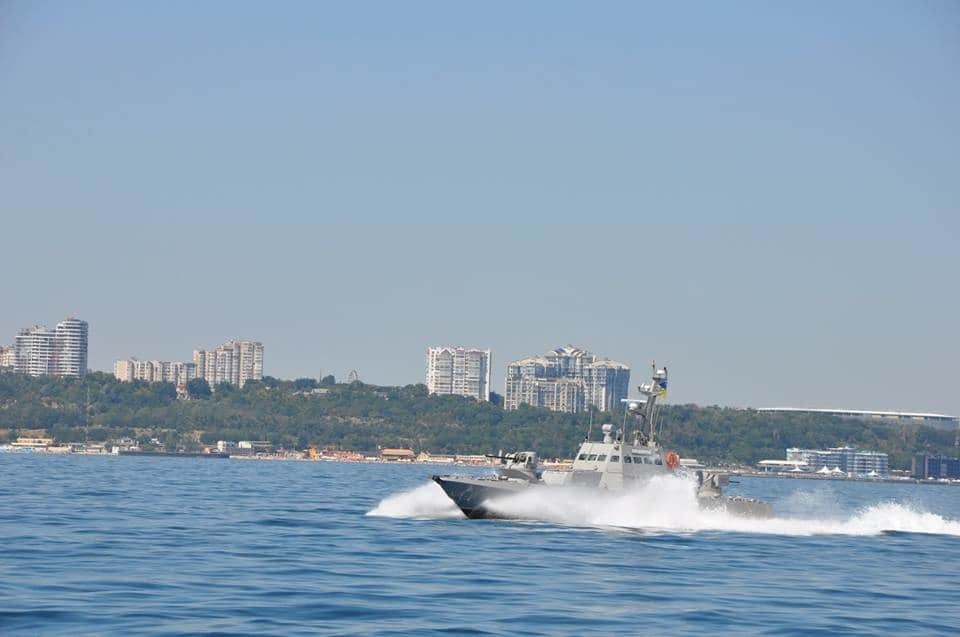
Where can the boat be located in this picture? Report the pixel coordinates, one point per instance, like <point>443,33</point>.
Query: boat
<point>610,464</point>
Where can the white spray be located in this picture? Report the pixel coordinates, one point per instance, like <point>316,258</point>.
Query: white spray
<point>667,504</point>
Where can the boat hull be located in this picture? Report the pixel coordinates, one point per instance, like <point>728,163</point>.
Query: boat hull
<point>473,496</point>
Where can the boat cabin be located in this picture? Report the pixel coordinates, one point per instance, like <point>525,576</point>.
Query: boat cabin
<point>612,462</point>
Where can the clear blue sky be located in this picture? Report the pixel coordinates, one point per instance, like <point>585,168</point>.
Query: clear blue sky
<point>764,196</point>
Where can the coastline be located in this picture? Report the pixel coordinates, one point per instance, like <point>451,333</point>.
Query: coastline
<point>472,462</point>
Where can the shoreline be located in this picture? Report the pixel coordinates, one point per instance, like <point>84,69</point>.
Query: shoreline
<point>368,460</point>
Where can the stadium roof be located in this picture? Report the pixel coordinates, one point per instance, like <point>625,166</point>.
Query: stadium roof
<point>863,413</point>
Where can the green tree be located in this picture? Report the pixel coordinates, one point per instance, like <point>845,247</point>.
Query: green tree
<point>198,388</point>
<point>302,384</point>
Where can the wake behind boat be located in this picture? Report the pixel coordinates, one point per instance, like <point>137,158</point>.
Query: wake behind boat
<point>611,464</point>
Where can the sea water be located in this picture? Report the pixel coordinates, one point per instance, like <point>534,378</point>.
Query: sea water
<point>122,545</point>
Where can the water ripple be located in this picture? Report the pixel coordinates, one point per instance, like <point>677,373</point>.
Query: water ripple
<point>118,546</point>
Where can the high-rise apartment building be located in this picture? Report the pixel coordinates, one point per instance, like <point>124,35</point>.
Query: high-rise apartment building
<point>36,351</point>
<point>605,384</point>
<point>233,362</point>
<point>71,336</point>
<point>459,370</point>
<point>567,379</point>
<point>41,351</point>
<point>251,362</point>
<point>131,369</point>
<point>123,369</point>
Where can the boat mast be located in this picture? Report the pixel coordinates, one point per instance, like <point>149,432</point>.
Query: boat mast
<point>654,389</point>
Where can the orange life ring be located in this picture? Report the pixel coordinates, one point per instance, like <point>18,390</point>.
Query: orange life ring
<point>673,460</point>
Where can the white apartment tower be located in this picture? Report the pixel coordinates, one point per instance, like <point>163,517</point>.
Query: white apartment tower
<point>251,362</point>
<point>567,379</point>
<point>71,335</point>
<point>36,351</point>
<point>459,370</point>
<point>41,351</point>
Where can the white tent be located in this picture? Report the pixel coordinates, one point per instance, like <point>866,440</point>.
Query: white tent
<point>824,470</point>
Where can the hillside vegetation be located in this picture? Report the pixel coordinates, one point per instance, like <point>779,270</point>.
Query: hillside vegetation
<point>303,413</point>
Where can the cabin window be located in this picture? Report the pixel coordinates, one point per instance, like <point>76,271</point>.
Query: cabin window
<point>640,460</point>
<point>614,458</point>
<point>627,459</point>
<point>592,456</point>
<point>582,456</point>
<point>601,457</point>
<point>658,461</point>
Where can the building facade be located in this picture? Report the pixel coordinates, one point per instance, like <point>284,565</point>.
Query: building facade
<point>8,357</point>
<point>567,379</point>
<point>36,351</point>
<point>846,459</point>
<point>459,370</point>
<point>41,351</point>
<point>938,467</point>
<point>233,362</point>
<point>123,369</point>
<point>131,369</point>
<point>71,335</point>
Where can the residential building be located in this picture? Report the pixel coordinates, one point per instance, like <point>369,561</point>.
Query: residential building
<point>36,351</point>
<point>227,368</point>
<point>181,373</point>
<point>251,362</point>
<point>131,369</point>
<point>123,370</point>
<point>567,379</point>
<point>41,351</point>
<point>605,384</point>
<point>846,459</point>
<point>459,370</point>
<point>8,357</point>
<point>145,371</point>
<point>71,336</point>
<point>233,362</point>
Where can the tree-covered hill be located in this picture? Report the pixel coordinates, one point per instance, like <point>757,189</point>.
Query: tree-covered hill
<point>306,412</point>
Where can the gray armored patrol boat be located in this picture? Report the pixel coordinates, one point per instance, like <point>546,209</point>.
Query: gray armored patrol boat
<point>613,463</point>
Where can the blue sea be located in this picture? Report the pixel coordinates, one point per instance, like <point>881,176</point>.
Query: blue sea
<point>171,546</point>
